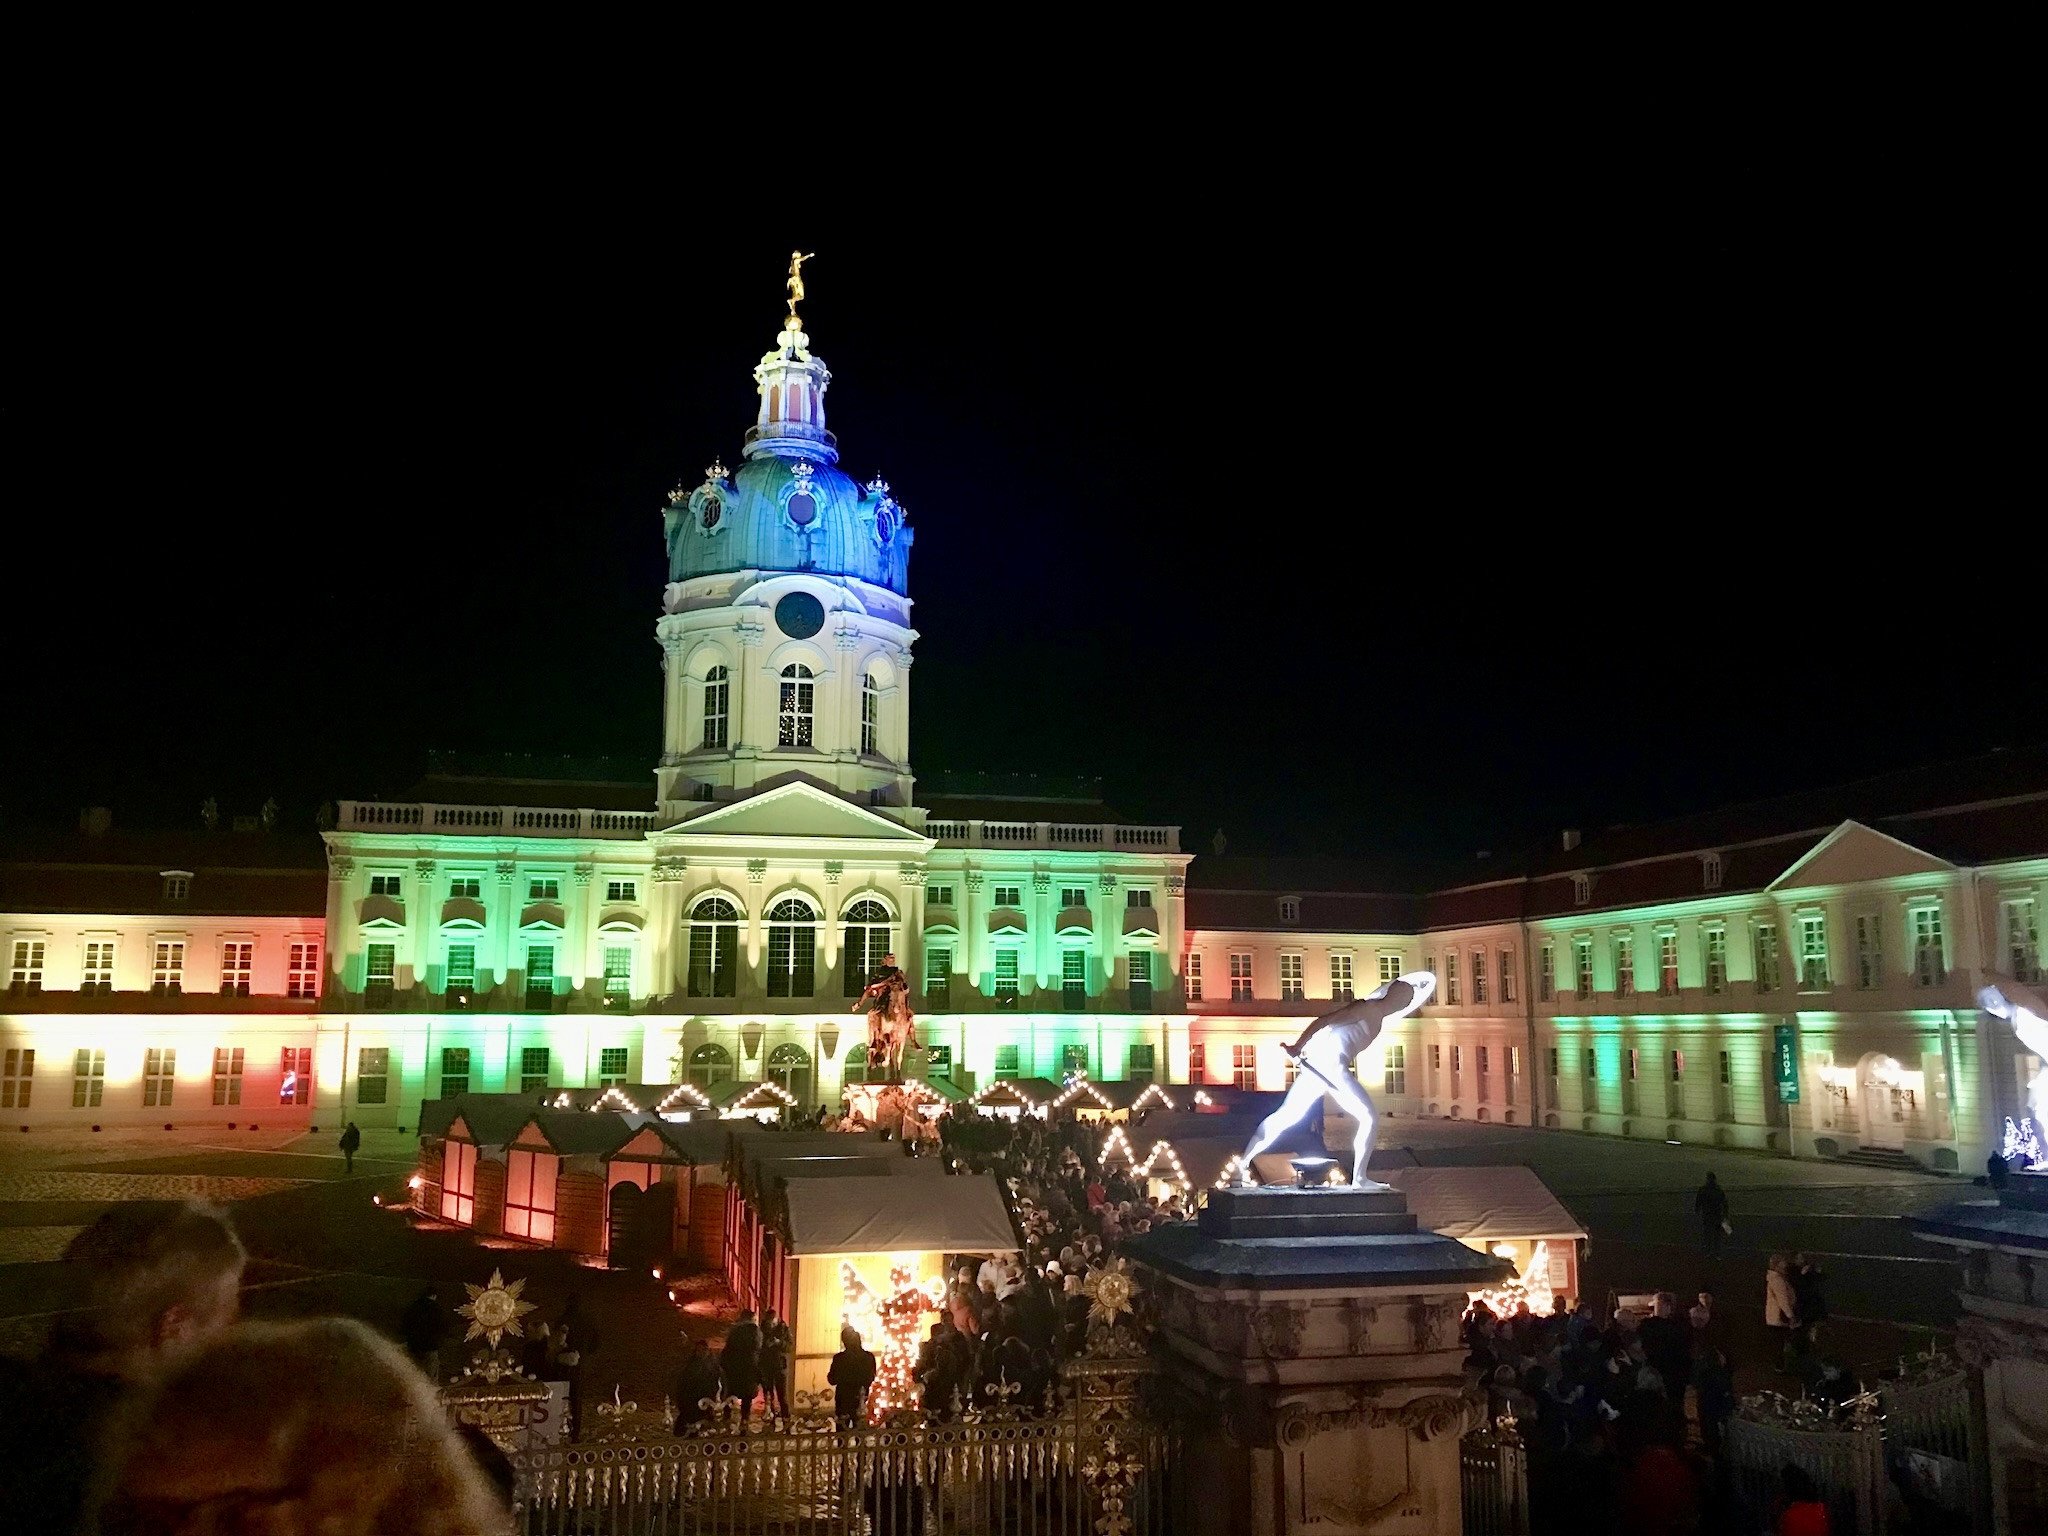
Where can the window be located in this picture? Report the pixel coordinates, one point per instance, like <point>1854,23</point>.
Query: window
<point>17,1077</point>
<point>530,1194</point>
<point>1191,974</point>
<point>1457,1062</point>
<point>1390,967</point>
<point>1009,896</point>
<point>1290,909</point>
<point>1139,1064</point>
<point>793,718</point>
<point>1813,950</point>
<point>1726,1075</point>
<point>1667,963</point>
<point>939,895</point>
<point>1138,968</point>
<point>1450,976</point>
<point>1551,1063</point>
<point>870,715</point>
<point>1074,978</point>
<point>1624,965</point>
<point>1073,1058</point>
<point>1484,1065</point>
<point>373,1074</point>
<point>1678,1066</point>
<point>386,885</point>
<point>1929,967</point>
<point>1395,1080</point>
<point>618,972</point>
<point>88,1079</point>
<point>611,1065</point>
<point>1240,978</point>
<point>1710,871</point>
<point>938,977</point>
<point>178,885</point>
<point>159,1077</point>
<point>227,1075</point>
<point>1073,896</point>
<point>1592,1063</point>
<point>710,1064</point>
<point>1436,1057</point>
<point>454,1071</point>
<point>1006,974</point>
<point>1341,984</point>
<point>1582,955</point>
<point>1591,1093</point>
<point>1632,1063</point>
<point>622,890</point>
<point>1244,1066</point>
<point>1715,940</point>
<point>1006,1062</point>
<point>302,974</point>
<point>1290,978</point>
<point>1507,975</point>
<point>1582,889</point>
<point>1767,957</point>
<point>535,1066</point>
<point>1138,896</point>
<point>716,684</point>
<point>1478,975</point>
<point>235,958</point>
<point>295,1075</point>
<point>1546,972</point>
<point>2022,940</point>
<point>867,941</point>
<point>26,974</point>
<point>458,1182</point>
<point>544,888</point>
<point>540,975</point>
<point>714,940</point>
<point>98,972</point>
<point>1429,965</point>
<point>380,973</point>
<point>167,974</point>
<point>466,888</point>
<point>461,968</point>
<point>1869,952</point>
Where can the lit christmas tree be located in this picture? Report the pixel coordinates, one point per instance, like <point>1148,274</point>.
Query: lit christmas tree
<point>888,1325</point>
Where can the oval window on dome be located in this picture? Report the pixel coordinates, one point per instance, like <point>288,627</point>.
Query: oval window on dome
<point>713,510</point>
<point>803,508</point>
<point>799,615</point>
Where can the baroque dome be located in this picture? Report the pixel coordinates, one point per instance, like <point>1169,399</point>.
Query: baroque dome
<point>785,513</point>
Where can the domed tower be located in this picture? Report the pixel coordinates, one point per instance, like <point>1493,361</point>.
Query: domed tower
<point>785,626</point>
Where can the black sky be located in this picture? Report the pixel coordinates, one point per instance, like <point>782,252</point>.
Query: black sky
<point>1343,511</point>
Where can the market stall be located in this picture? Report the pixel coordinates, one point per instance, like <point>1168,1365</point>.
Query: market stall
<point>1505,1211</point>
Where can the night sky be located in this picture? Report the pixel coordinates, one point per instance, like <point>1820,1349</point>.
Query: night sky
<point>1419,514</point>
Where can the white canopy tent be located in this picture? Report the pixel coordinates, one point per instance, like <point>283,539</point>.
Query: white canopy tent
<point>1506,1211</point>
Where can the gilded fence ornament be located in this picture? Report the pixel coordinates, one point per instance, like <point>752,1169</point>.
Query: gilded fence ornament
<point>494,1310</point>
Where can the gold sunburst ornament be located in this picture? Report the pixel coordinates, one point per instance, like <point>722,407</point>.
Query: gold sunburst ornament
<point>1109,1292</point>
<point>494,1310</point>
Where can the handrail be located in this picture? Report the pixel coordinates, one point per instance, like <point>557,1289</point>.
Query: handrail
<point>492,820</point>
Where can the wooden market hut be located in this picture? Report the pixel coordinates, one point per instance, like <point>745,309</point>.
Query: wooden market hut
<point>766,1101</point>
<point>1011,1098</point>
<point>1119,1102</point>
<point>1507,1211</point>
<point>751,1168</point>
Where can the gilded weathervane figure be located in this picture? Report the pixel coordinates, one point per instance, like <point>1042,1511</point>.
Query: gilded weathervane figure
<point>796,278</point>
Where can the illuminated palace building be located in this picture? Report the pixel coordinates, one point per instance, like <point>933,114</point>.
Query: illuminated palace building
<point>521,933</point>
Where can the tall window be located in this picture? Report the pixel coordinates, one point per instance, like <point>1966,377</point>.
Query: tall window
<point>1198,1062</point>
<point>611,1064</point>
<point>1710,871</point>
<point>1073,1058</point>
<point>792,949</point>
<point>938,976</point>
<point>793,718</point>
<point>159,1077</point>
<point>716,693</point>
<point>1340,977</point>
<point>1678,1066</point>
<point>17,1077</point>
<point>1457,1065</point>
<point>1006,973</point>
<point>1290,978</point>
<point>789,1064</point>
<point>1929,964</point>
<point>1390,967</point>
<point>710,1064</point>
<point>1813,950</point>
<point>1138,968</point>
<point>1396,1070</point>
<point>1006,1066</point>
<point>1582,958</point>
<point>618,973</point>
<point>867,940</point>
<point>1715,939</point>
<point>1244,1066</point>
<point>1546,972</point>
<point>2022,940</point>
<point>1478,975</point>
<point>461,968</point>
<point>870,716</point>
<point>540,975</point>
<point>1192,974</point>
<point>535,1068</point>
<point>1240,978</point>
<point>1727,1070</point>
<point>1139,1063</point>
<point>227,1075</point>
<point>1429,965</point>
<point>295,1075</point>
<point>1507,975</point>
<point>26,974</point>
<point>235,963</point>
<point>1869,951</point>
<point>1551,1063</point>
<point>1767,957</point>
<point>302,974</point>
<point>454,1071</point>
<point>88,1079</point>
<point>714,940</point>
<point>167,974</point>
<point>1450,975</point>
<point>1074,978</point>
<point>1592,1084</point>
<point>1624,965</point>
<point>98,972</point>
<point>458,1182</point>
<point>380,973</point>
<point>530,1194</point>
<point>373,1074</point>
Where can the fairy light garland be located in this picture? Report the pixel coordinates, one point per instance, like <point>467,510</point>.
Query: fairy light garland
<point>683,1091</point>
<point>613,1094</point>
<point>891,1322</point>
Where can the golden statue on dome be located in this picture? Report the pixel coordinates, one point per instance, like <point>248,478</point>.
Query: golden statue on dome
<point>796,279</point>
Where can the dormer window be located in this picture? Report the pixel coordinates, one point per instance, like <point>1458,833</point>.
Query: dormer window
<point>1710,871</point>
<point>1582,889</point>
<point>1290,909</point>
<point>177,884</point>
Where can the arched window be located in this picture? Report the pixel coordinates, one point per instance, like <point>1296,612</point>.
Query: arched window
<point>855,1069</point>
<point>715,696</point>
<point>710,1063</point>
<point>790,1065</point>
<point>870,716</point>
<point>794,720</point>
<point>792,949</point>
<point>867,940</point>
<point>714,946</point>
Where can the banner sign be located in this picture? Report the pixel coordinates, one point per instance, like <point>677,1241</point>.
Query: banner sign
<point>1787,1054</point>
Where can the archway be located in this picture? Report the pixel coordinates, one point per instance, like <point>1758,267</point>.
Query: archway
<point>1882,1106</point>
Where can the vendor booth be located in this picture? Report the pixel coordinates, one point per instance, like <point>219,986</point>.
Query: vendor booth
<point>1118,1103</point>
<point>1012,1098</point>
<point>1508,1212</point>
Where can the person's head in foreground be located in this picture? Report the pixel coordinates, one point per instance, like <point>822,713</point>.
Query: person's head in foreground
<point>154,1280</point>
<point>287,1428</point>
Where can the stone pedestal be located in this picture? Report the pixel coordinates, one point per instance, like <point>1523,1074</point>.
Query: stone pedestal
<point>1314,1335</point>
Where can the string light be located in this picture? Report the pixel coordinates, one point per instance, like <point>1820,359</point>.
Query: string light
<point>892,1321</point>
<point>611,1094</point>
<point>1079,1086</point>
<point>1151,1092</point>
<point>1025,1103</point>
<point>680,1093</point>
<point>1531,1285</point>
<point>745,1105</point>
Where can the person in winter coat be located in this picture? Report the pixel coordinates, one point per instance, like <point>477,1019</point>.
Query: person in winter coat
<point>850,1375</point>
<point>1809,1298</point>
<point>740,1365</point>
<point>776,1344</point>
<point>697,1385</point>
<point>1711,1206</point>
<point>1781,1307</point>
<point>351,1138</point>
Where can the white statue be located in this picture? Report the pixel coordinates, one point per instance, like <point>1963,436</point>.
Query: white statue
<point>1326,1051</point>
<point>2023,1008</point>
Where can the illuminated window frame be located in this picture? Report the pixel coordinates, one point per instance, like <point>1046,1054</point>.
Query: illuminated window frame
<point>237,963</point>
<point>717,683</point>
<point>1240,976</point>
<point>1293,986</point>
<point>159,1076</point>
<point>1191,975</point>
<point>26,972</point>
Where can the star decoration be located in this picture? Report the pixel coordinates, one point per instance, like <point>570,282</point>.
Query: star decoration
<point>494,1310</point>
<point>1109,1292</point>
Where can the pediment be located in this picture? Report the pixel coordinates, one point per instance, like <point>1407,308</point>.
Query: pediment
<point>1853,854</point>
<point>797,810</point>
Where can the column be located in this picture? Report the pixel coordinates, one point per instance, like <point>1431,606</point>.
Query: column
<point>973,928</point>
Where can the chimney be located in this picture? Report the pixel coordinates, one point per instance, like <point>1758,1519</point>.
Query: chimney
<point>1571,838</point>
<point>95,819</point>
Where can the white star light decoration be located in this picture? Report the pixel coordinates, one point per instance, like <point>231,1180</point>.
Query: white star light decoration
<point>494,1310</point>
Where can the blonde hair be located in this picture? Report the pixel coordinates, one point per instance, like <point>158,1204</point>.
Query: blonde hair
<point>323,1425</point>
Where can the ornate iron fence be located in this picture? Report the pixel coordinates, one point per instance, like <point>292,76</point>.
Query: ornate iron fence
<point>1845,1459</point>
<point>1493,1478</point>
<point>1927,1429</point>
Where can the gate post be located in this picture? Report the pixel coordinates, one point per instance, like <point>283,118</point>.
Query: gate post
<point>1323,1379</point>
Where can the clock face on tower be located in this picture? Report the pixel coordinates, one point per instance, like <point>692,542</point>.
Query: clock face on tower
<point>799,615</point>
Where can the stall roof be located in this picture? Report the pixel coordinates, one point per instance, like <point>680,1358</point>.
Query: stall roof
<point>1480,1203</point>
<point>882,1214</point>
<point>1037,1090</point>
<point>493,1118</point>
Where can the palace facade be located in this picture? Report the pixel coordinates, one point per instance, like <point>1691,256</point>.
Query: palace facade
<point>524,929</point>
